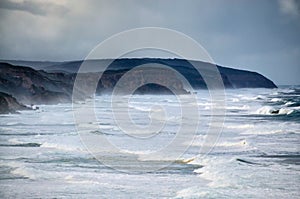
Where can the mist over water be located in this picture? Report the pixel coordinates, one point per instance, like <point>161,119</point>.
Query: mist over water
<point>256,155</point>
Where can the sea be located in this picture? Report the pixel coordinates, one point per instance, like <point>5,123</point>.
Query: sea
<point>256,154</point>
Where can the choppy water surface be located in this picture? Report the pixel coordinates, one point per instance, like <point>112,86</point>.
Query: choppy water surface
<point>256,156</point>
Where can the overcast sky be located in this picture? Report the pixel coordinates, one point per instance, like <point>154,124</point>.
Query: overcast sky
<point>256,35</point>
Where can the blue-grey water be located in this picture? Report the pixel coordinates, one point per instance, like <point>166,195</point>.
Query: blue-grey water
<point>256,156</point>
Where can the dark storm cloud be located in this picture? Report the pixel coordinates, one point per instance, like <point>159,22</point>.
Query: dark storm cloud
<point>33,7</point>
<point>261,36</point>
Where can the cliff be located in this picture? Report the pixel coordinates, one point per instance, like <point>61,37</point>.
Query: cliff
<point>9,104</point>
<point>31,86</point>
<point>52,82</point>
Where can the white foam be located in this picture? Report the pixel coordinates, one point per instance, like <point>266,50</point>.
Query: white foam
<point>285,111</point>
<point>137,152</point>
<point>15,141</point>
<point>235,100</point>
<point>262,132</point>
<point>296,108</point>
<point>244,107</point>
<point>267,110</point>
<point>20,169</point>
<point>276,100</point>
<point>288,90</point>
<point>62,147</point>
<point>71,180</point>
<point>289,103</point>
<point>241,126</point>
<point>25,172</point>
<point>101,126</point>
<point>12,123</point>
<point>251,98</point>
<point>140,108</point>
<point>200,141</point>
<point>204,104</point>
<point>192,192</point>
<point>241,143</point>
<point>214,170</point>
<point>11,164</point>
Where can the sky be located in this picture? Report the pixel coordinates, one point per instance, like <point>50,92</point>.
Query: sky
<point>256,35</point>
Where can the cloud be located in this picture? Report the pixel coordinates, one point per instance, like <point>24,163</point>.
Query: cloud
<point>41,8</point>
<point>240,34</point>
<point>290,7</point>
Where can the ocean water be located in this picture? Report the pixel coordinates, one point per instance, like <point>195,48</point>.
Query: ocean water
<point>257,154</point>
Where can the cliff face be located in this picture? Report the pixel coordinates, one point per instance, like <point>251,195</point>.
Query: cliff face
<point>9,104</point>
<point>232,78</point>
<point>54,84</point>
<point>245,79</point>
<point>31,86</point>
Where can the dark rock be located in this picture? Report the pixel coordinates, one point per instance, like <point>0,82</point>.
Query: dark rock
<point>275,112</point>
<point>9,104</point>
<point>38,87</point>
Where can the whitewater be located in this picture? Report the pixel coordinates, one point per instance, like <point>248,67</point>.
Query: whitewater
<point>257,154</point>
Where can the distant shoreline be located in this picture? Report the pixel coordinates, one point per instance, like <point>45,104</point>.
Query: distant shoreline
<point>41,83</point>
